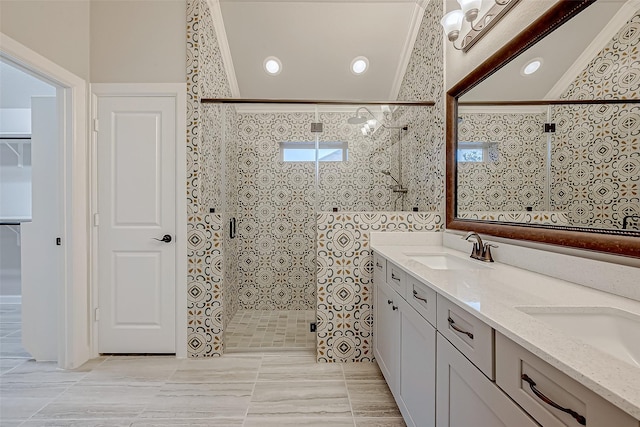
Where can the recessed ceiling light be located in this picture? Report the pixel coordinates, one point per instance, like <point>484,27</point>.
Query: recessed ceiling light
<point>531,67</point>
<point>273,65</point>
<point>359,65</point>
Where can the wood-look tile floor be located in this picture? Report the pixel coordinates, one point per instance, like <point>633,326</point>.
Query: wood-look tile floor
<point>11,333</point>
<point>251,330</point>
<point>248,389</point>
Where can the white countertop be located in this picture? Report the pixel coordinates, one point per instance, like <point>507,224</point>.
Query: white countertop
<point>493,295</point>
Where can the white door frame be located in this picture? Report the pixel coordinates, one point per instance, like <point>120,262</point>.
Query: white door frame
<point>73,324</point>
<point>179,92</point>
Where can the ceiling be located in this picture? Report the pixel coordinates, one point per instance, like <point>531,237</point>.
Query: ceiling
<point>316,41</point>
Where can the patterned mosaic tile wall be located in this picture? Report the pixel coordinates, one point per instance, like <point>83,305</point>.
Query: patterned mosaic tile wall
<point>276,205</point>
<point>596,150</point>
<point>423,145</point>
<point>344,260</point>
<point>345,278</point>
<point>231,302</point>
<point>358,184</point>
<point>205,77</point>
<point>514,176</point>
<point>277,200</point>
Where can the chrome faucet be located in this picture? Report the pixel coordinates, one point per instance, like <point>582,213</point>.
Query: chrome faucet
<point>480,251</point>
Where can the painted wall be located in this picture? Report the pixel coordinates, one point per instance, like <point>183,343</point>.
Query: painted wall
<point>58,30</point>
<point>138,41</point>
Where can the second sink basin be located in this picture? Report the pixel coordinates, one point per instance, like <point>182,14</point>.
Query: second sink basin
<point>446,262</point>
<point>612,331</point>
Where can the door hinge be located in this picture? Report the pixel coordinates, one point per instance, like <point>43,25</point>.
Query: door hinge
<point>96,314</point>
<point>96,219</point>
<point>96,126</point>
<point>58,241</point>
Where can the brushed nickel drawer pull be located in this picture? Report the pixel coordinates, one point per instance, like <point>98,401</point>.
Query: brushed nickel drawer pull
<point>393,276</point>
<point>457,329</point>
<point>579,418</point>
<point>416,296</point>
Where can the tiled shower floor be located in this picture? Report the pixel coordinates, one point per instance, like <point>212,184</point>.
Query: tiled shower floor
<point>268,329</point>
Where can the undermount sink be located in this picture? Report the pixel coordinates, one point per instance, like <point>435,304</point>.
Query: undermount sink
<point>446,262</point>
<point>612,331</point>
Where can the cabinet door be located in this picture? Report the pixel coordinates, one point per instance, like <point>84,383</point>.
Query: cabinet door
<point>417,387</point>
<point>386,331</point>
<point>465,397</point>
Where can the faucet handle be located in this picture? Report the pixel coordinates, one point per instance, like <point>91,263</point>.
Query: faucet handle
<point>486,252</point>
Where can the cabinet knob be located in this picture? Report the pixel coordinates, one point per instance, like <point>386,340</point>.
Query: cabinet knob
<point>394,307</point>
<point>389,301</point>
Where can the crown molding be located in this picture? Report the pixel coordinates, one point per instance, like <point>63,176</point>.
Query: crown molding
<point>599,42</point>
<point>407,50</point>
<point>223,45</point>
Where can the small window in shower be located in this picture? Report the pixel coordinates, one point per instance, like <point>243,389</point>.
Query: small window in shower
<point>306,151</point>
<point>477,152</point>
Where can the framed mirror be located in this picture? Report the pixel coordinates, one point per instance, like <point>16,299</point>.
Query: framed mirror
<point>553,156</point>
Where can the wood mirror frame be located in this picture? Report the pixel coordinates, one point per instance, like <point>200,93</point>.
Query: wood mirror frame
<point>607,241</point>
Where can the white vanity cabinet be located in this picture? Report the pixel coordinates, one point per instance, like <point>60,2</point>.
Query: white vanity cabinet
<point>465,397</point>
<point>447,368</point>
<point>554,399</point>
<point>415,392</point>
<point>386,332</point>
<point>404,346</point>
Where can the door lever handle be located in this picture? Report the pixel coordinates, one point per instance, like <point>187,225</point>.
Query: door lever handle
<point>166,238</point>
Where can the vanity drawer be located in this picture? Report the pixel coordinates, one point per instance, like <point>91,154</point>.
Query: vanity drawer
<point>379,269</point>
<point>513,362</point>
<point>468,334</point>
<point>422,298</point>
<point>396,278</point>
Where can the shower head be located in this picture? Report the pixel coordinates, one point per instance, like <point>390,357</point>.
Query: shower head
<point>356,120</point>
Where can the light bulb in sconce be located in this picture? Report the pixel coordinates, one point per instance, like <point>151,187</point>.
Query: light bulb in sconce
<point>480,15</point>
<point>452,24</point>
<point>470,9</point>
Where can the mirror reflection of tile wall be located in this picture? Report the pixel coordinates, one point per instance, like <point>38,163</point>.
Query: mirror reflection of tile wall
<point>593,158</point>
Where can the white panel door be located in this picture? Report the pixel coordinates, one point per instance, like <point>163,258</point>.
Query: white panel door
<point>136,203</point>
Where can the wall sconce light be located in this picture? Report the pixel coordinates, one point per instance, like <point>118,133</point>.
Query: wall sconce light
<point>479,24</point>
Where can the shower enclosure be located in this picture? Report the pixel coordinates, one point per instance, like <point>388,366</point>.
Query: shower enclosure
<point>270,170</point>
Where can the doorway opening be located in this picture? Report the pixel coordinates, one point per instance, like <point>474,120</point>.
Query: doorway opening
<point>29,213</point>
